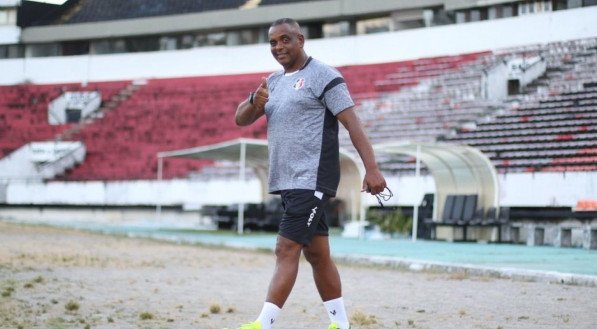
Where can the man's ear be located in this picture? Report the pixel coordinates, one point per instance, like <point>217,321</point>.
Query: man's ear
<point>301,39</point>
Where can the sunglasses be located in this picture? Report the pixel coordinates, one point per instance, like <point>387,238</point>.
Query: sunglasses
<point>384,196</point>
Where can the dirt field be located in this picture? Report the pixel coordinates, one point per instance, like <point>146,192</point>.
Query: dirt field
<point>53,278</point>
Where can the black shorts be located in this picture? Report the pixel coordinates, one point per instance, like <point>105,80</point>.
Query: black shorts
<point>303,216</point>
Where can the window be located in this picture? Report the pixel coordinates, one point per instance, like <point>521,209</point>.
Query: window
<point>492,12</point>
<point>211,39</point>
<point>108,46</point>
<point>574,4</point>
<point>460,17</point>
<point>168,43</point>
<point>524,9</point>
<point>75,48</point>
<point>8,16</point>
<point>139,44</point>
<point>338,29</point>
<point>233,38</point>
<point>249,36</point>
<point>42,50</point>
<point>11,51</point>
<point>187,41</point>
<point>508,11</point>
<point>475,15</point>
<point>374,25</point>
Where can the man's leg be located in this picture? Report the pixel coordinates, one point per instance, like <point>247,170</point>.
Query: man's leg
<point>302,211</point>
<point>327,279</point>
<point>325,273</point>
<point>288,253</point>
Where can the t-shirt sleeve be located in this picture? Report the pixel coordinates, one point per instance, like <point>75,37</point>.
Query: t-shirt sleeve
<point>335,95</point>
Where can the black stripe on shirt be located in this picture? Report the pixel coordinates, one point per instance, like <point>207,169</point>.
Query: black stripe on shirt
<point>328,171</point>
<point>331,85</point>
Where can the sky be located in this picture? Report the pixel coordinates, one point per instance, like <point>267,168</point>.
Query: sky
<point>55,2</point>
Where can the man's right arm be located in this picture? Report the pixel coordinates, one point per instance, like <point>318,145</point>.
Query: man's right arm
<point>247,112</point>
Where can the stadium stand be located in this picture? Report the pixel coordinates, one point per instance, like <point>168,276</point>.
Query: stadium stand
<point>24,111</point>
<point>420,100</point>
<point>164,114</point>
<point>553,128</point>
<point>184,112</point>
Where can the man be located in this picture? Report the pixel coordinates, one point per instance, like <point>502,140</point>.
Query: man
<point>303,104</point>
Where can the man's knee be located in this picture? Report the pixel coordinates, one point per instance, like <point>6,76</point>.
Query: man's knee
<point>312,257</point>
<point>287,249</point>
<point>316,256</point>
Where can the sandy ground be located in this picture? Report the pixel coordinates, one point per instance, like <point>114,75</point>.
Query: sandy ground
<point>53,278</point>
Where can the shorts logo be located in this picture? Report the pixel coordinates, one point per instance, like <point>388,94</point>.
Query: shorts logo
<point>299,84</point>
<point>311,216</point>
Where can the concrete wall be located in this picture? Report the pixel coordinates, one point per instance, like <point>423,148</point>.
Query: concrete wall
<point>170,192</point>
<point>9,35</point>
<point>548,189</point>
<point>567,233</point>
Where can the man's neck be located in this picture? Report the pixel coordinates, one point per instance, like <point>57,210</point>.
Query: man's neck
<point>296,68</point>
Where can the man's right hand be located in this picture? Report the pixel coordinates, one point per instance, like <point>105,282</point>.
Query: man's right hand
<point>261,95</point>
<point>247,113</point>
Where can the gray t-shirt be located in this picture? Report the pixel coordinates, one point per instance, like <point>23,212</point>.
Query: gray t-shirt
<point>302,128</point>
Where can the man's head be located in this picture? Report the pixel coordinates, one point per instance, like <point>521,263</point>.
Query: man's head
<point>286,41</point>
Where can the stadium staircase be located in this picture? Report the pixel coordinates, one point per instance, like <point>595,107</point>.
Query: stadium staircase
<point>38,161</point>
<point>112,103</point>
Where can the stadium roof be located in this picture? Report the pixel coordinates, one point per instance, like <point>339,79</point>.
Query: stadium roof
<point>135,21</point>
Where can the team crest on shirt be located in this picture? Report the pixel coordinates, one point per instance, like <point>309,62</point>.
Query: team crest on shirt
<point>299,84</point>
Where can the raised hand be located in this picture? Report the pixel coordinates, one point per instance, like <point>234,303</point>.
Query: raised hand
<point>261,94</point>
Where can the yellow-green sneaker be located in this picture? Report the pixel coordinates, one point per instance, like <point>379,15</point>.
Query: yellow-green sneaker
<point>333,325</point>
<point>251,325</point>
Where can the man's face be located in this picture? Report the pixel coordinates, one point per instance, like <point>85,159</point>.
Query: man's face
<point>286,44</point>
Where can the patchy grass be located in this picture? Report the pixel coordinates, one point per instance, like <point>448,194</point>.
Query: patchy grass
<point>362,319</point>
<point>146,316</point>
<point>7,291</point>
<point>215,308</point>
<point>72,306</point>
<point>57,322</point>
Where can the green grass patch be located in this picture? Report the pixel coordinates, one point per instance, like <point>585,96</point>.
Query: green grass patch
<point>72,306</point>
<point>146,316</point>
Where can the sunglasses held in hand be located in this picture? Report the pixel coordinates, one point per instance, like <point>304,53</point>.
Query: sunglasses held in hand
<point>384,196</point>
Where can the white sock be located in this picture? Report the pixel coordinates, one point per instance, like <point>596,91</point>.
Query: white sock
<point>268,315</point>
<point>337,312</point>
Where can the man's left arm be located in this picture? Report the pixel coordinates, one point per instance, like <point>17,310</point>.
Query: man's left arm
<point>374,181</point>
